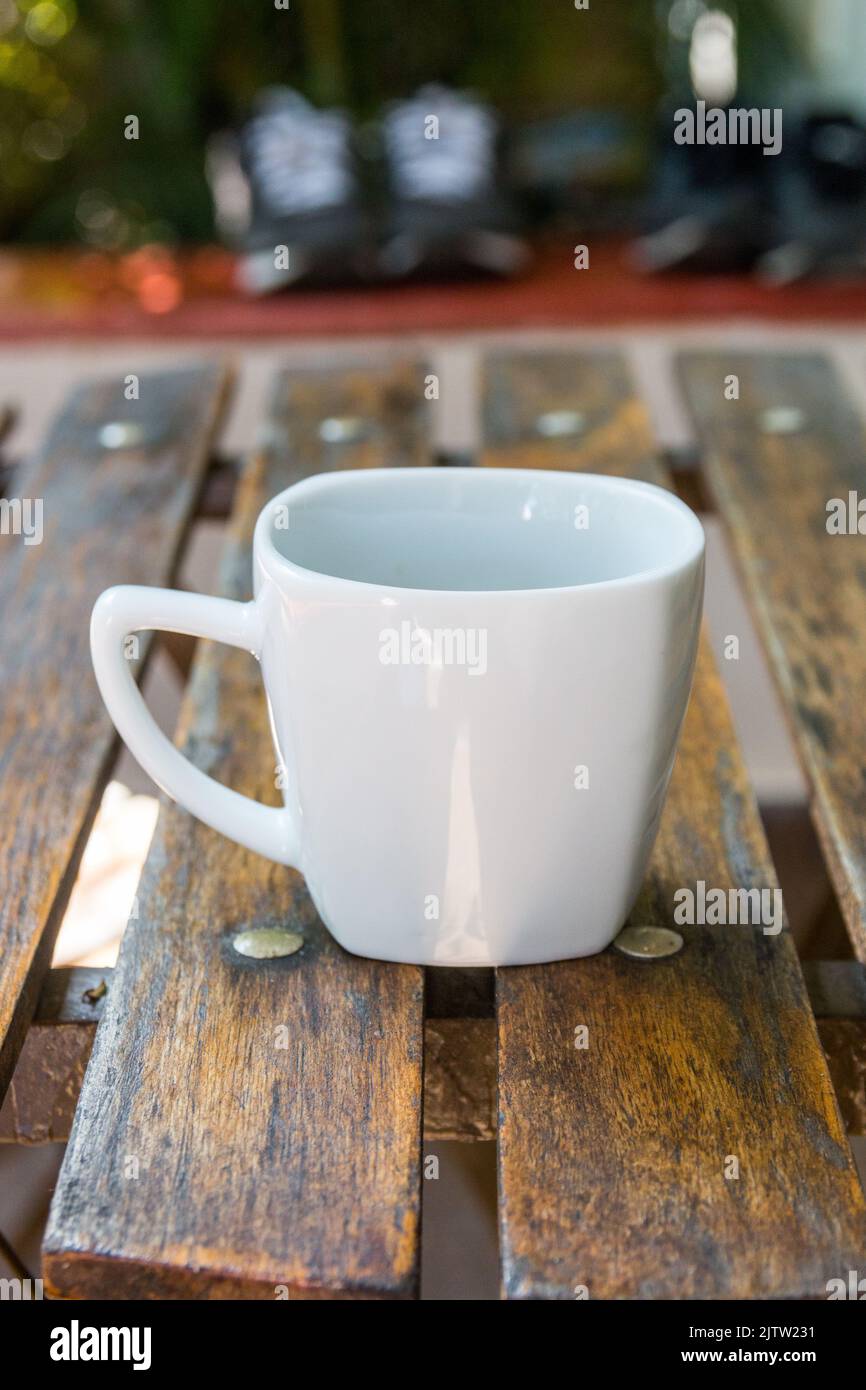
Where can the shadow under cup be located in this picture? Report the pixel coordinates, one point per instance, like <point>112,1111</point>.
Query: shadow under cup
<point>476,680</point>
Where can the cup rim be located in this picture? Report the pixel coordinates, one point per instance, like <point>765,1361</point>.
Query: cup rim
<point>279,566</point>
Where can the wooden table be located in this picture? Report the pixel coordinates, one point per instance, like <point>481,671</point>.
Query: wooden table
<point>248,1128</point>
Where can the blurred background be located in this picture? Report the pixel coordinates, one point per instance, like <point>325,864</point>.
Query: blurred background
<point>128,135</point>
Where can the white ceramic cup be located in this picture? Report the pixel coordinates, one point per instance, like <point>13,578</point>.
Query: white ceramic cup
<point>476,680</point>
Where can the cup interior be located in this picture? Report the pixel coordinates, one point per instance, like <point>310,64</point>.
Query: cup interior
<point>479,529</point>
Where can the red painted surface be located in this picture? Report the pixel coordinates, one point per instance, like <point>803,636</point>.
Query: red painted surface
<point>155,294</point>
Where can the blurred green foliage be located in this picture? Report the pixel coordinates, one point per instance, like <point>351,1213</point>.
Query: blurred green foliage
<point>71,71</point>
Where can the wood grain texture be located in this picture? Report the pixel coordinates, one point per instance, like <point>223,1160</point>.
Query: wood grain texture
<point>459,1053</point>
<point>459,1066</point>
<point>460,1078</point>
<point>40,1103</point>
<point>273,1107</point>
<point>844,1044</point>
<point>73,995</point>
<point>807,587</point>
<point>612,1159</point>
<point>352,418</point>
<point>109,516</point>
<point>837,993</point>
<point>523,394</point>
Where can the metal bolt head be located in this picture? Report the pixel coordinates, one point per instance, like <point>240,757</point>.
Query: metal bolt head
<point>560,424</point>
<point>782,419</point>
<point>344,429</point>
<point>648,943</point>
<point>267,943</point>
<point>121,434</point>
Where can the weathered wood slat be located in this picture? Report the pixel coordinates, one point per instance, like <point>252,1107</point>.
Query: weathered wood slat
<point>459,1066</point>
<point>558,410</point>
<point>40,1103</point>
<point>775,457</point>
<point>271,1110</point>
<point>844,1044</point>
<point>460,1078</point>
<point>107,513</point>
<point>837,993</point>
<point>613,1158</point>
<point>459,1053</point>
<point>353,418</point>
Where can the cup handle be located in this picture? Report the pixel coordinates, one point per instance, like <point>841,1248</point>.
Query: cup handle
<point>129,608</point>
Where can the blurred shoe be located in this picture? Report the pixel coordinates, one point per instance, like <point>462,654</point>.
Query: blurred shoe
<point>819,190</point>
<point>447,206</point>
<point>708,208</point>
<point>305,219</point>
